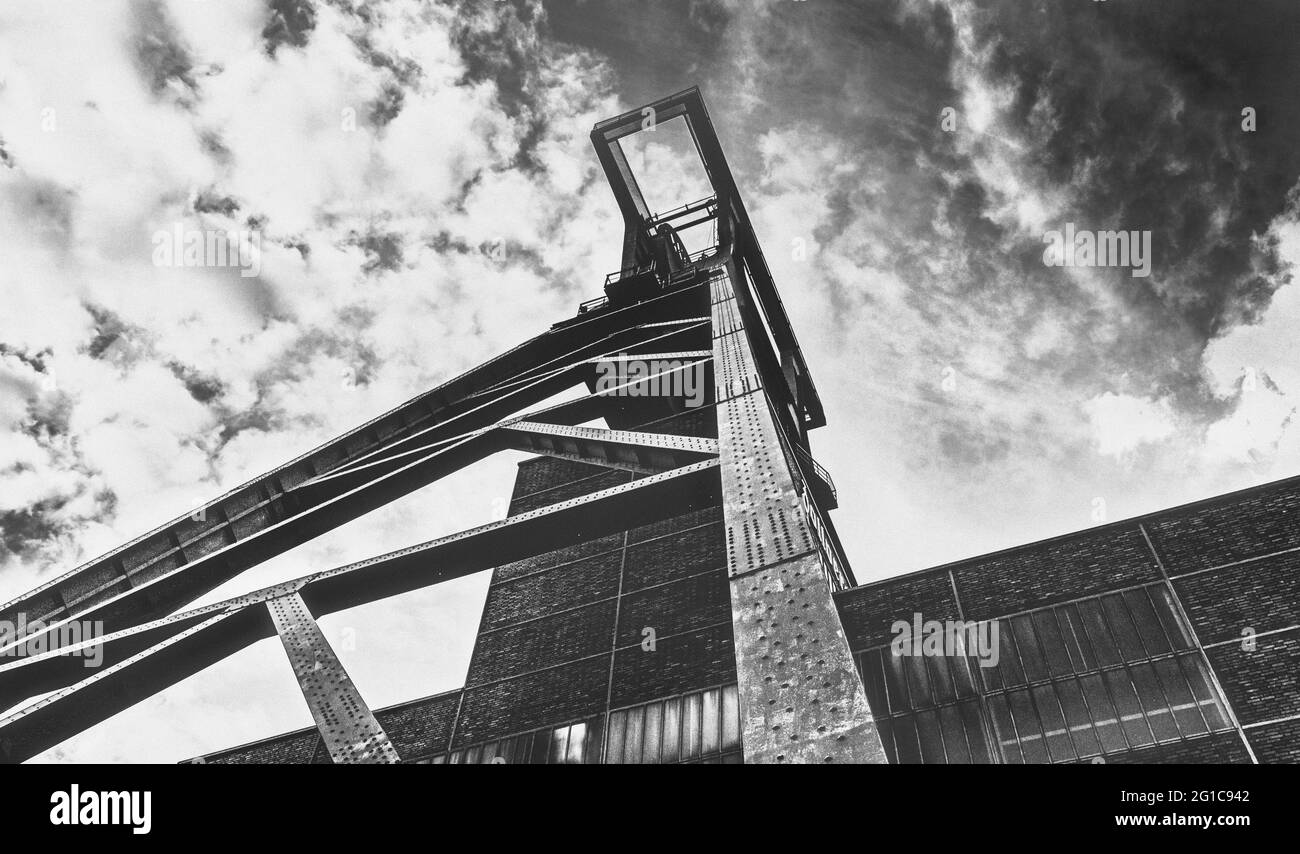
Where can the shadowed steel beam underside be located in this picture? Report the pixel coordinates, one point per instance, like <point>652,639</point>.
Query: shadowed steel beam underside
<point>208,634</point>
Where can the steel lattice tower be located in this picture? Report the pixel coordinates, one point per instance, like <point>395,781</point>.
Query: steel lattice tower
<point>716,311</point>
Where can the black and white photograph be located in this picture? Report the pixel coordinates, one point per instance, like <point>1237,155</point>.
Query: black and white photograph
<point>651,382</point>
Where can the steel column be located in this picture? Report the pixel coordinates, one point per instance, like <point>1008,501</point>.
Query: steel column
<point>801,697</point>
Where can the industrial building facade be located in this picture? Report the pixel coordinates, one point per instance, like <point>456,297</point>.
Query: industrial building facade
<point>668,586</point>
<point>1172,638</point>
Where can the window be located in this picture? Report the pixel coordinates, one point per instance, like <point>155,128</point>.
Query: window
<point>699,727</point>
<point>703,726</point>
<point>572,744</point>
<point>1095,676</point>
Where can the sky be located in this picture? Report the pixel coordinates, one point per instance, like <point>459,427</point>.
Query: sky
<point>425,195</point>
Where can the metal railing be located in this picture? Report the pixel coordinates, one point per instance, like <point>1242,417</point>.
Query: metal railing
<point>628,272</point>
<point>592,304</point>
<point>819,470</point>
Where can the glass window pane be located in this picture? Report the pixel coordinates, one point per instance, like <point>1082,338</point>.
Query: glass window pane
<point>1148,624</point>
<point>873,680</point>
<point>1076,639</point>
<point>541,747</point>
<point>1004,730</point>
<point>1121,624</point>
<point>1130,710</point>
<point>730,718</point>
<point>992,675</point>
<point>1059,744</point>
<point>577,743</point>
<point>1027,727</point>
<point>896,683</point>
<point>1153,701</point>
<point>941,679</point>
<point>1049,634</point>
<point>634,736</point>
<point>1205,695</point>
<point>654,722</point>
<point>595,740</point>
<point>973,720</point>
<point>1076,715</point>
<point>886,728</point>
<point>614,743</point>
<point>909,750</point>
<point>559,745</point>
<point>954,736</point>
<point>963,681</point>
<point>927,727</point>
<point>691,736</point>
<point>672,745</point>
<point>1104,717</point>
<point>1027,644</point>
<point>711,719</point>
<point>1169,617</point>
<point>1103,647</point>
<point>1186,711</point>
<point>918,683</point>
<point>1008,657</point>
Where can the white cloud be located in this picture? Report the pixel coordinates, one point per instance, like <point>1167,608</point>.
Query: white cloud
<point>1121,423</point>
<point>134,392</point>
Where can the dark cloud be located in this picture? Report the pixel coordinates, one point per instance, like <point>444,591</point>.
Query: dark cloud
<point>203,388</point>
<point>290,22</point>
<point>160,57</point>
<point>383,250</point>
<point>209,201</point>
<point>1146,109</point>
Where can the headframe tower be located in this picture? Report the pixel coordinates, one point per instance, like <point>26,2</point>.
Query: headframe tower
<point>714,311</point>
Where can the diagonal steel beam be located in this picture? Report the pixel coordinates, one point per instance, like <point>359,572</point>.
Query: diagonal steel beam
<point>266,501</point>
<point>142,660</point>
<point>347,726</point>
<point>94,699</point>
<point>622,449</point>
<point>642,501</point>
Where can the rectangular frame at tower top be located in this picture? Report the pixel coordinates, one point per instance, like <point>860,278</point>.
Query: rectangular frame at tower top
<point>785,368</point>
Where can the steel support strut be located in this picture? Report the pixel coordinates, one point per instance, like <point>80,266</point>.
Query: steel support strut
<point>346,724</point>
<point>801,697</point>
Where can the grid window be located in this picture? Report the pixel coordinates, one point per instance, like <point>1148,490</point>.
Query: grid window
<point>1099,675</point>
<point>703,726</point>
<point>700,727</point>
<point>572,744</point>
<point>933,711</point>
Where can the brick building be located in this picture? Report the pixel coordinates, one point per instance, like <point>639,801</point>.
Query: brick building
<point>1128,641</point>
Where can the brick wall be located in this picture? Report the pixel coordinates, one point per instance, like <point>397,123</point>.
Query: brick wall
<point>1233,563</point>
<point>617,621</point>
